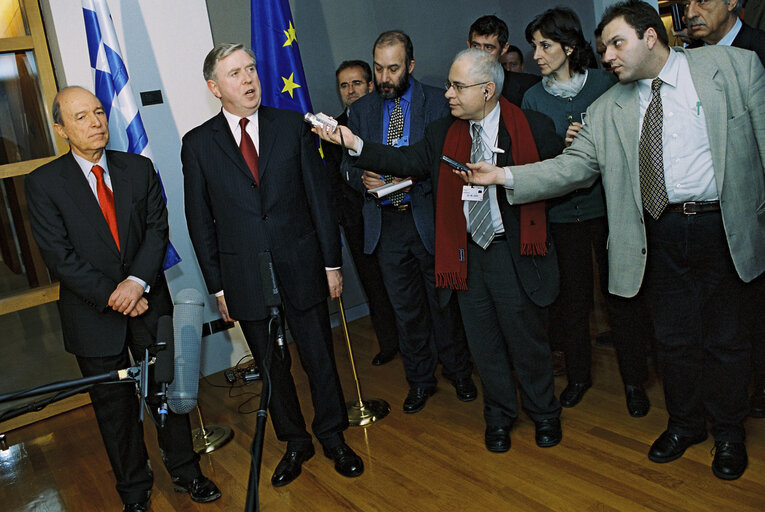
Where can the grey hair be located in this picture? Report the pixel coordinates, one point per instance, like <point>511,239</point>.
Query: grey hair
<point>484,67</point>
<point>736,10</point>
<point>55,110</point>
<point>220,52</point>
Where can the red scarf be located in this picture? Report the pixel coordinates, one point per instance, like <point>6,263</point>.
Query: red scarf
<point>451,227</point>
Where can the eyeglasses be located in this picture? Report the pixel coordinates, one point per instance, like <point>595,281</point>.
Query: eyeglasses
<point>458,88</point>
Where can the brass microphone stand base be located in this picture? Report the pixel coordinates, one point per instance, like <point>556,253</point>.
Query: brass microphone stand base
<point>211,437</point>
<point>361,414</point>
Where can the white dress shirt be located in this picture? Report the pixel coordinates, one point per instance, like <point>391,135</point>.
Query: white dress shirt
<point>87,170</point>
<point>490,135</point>
<point>688,169</point>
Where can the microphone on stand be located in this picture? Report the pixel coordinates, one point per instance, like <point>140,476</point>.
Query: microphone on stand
<point>187,327</point>
<point>163,364</point>
<point>271,298</point>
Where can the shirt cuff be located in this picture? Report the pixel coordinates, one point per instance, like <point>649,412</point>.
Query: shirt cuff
<point>140,281</point>
<point>509,180</point>
<point>361,147</point>
<point>331,268</point>
<point>219,294</point>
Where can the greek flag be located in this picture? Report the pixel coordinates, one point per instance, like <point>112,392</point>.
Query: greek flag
<point>126,131</point>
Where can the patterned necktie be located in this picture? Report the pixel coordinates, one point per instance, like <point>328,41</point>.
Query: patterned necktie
<point>653,191</point>
<point>106,202</point>
<point>395,132</point>
<point>479,212</point>
<point>248,150</point>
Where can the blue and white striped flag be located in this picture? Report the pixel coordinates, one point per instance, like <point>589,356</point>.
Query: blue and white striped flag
<point>126,131</point>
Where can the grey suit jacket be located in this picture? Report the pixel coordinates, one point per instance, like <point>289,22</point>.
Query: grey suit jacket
<point>428,104</point>
<point>730,83</point>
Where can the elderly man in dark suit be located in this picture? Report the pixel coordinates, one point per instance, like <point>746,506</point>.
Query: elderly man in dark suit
<point>254,183</point>
<point>101,225</point>
<point>398,229</point>
<point>354,80</point>
<point>679,146</point>
<point>498,258</point>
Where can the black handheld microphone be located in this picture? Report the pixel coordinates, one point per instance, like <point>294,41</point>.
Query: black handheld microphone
<point>271,297</point>
<point>163,364</point>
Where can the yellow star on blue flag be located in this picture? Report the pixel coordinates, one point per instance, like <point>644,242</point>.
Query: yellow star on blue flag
<point>289,85</point>
<point>274,41</point>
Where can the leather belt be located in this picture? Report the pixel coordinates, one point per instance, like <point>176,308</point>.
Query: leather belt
<point>694,207</point>
<point>498,237</point>
<point>402,208</point>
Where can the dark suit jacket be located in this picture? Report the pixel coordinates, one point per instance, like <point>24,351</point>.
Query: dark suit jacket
<point>750,38</point>
<point>79,250</point>
<point>538,274</point>
<point>231,220</point>
<point>516,85</point>
<point>346,200</point>
<point>366,119</point>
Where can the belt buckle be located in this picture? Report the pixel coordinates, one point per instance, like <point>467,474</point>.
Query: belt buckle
<point>402,207</point>
<point>685,209</point>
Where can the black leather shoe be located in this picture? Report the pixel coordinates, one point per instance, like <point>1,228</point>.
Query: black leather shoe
<point>637,401</point>
<point>548,432</point>
<point>201,489</point>
<point>383,358</point>
<point>136,507</point>
<point>757,403</point>
<point>497,439</point>
<point>730,460</point>
<point>289,467</point>
<point>347,463</point>
<point>669,447</point>
<point>466,390</point>
<point>574,393</point>
<point>416,399</point>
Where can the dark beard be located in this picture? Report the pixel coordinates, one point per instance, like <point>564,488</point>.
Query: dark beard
<point>398,89</point>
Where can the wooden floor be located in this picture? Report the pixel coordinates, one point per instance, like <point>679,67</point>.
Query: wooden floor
<point>431,461</point>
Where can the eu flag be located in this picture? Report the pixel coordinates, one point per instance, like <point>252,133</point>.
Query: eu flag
<point>278,56</point>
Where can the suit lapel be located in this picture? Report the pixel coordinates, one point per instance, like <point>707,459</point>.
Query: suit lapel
<point>626,116</point>
<point>268,131</point>
<point>79,190</point>
<point>123,194</point>
<point>225,140</point>
<point>416,122</point>
<point>709,87</point>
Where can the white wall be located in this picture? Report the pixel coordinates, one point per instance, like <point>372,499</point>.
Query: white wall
<point>164,44</point>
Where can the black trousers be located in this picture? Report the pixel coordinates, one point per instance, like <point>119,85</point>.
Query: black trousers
<point>116,409</point>
<point>313,338</point>
<point>570,313</point>
<point>696,300</point>
<point>368,269</point>
<point>756,318</point>
<point>506,332</point>
<point>427,332</point>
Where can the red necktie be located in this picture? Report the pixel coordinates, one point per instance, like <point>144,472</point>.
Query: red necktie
<point>106,201</point>
<point>248,150</point>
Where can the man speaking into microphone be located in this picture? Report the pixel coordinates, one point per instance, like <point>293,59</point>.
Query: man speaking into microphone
<point>101,225</point>
<point>254,183</point>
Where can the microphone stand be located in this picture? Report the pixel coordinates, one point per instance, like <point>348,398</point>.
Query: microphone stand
<point>67,388</point>
<point>256,449</point>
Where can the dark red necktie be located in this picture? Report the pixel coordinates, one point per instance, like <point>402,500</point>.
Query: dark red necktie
<point>248,150</point>
<point>106,201</point>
